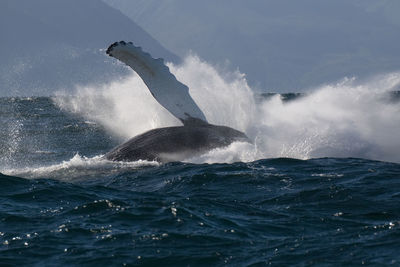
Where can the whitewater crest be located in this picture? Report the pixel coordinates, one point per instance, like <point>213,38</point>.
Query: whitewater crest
<point>350,118</point>
<point>79,167</point>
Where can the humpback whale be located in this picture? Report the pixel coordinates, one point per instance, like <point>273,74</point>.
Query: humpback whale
<point>167,144</point>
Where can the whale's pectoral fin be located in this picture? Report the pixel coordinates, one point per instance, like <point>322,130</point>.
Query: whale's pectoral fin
<point>166,89</point>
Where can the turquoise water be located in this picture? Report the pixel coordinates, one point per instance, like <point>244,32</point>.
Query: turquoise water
<point>62,204</point>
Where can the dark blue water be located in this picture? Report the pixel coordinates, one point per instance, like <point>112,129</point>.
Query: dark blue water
<point>75,209</point>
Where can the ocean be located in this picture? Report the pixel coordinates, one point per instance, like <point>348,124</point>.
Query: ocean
<point>319,185</point>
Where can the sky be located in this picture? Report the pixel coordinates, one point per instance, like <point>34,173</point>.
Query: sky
<point>281,46</point>
<point>285,45</point>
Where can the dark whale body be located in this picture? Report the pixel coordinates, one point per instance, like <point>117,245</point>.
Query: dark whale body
<point>175,143</point>
<point>195,137</point>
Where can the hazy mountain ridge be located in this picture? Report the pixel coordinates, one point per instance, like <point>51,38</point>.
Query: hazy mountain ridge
<point>51,44</point>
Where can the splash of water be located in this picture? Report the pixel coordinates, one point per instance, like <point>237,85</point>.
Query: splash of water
<point>10,141</point>
<point>349,119</point>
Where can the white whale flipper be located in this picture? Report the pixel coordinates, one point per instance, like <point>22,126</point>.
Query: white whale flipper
<point>165,88</point>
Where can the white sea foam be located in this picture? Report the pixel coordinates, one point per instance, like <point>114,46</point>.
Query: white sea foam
<point>348,119</point>
<point>77,167</point>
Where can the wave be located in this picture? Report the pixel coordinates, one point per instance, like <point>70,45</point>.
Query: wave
<point>78,168</point>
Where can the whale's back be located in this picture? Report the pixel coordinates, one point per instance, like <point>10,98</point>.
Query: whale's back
<point>175,143</point>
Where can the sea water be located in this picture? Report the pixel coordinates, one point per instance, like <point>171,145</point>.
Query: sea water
<point>318,185</point>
